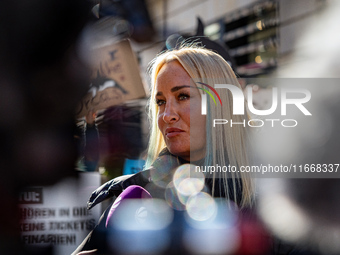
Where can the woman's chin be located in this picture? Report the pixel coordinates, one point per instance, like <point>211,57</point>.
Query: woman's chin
<point>184,152</point>
<point>186,155</point>
<point>179,152</point>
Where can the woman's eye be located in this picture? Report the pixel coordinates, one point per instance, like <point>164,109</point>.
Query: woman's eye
<point>183,97</point>
<point>160,102</point>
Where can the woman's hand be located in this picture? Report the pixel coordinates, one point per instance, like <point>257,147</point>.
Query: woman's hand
<point>107,190</point>
<point>164,166</point>
<point>115,186</point>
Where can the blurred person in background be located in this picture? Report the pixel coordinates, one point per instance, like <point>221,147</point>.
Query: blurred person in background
<point>42,79</point>
<point>91,142</point>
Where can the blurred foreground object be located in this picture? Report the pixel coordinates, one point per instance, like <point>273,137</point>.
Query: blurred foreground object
<point>42,79</point>
<point>306,211</point>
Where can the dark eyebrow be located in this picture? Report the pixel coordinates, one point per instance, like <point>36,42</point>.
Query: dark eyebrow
<point>174,89</point>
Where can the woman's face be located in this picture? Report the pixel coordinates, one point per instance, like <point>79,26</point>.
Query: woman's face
<point>177,100</point>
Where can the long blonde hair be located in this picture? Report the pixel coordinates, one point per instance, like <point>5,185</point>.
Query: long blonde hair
<point>224,144</point>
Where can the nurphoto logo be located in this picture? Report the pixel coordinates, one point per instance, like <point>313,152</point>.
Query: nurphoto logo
<point>239,104</point>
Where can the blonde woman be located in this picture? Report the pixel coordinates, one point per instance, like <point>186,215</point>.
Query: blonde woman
<point>180,133</point>
<point>178,78</point>
<point>223,144</point>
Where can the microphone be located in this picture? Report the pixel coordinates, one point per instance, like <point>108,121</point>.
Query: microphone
<point>131,192</point>
<point>136,225</point>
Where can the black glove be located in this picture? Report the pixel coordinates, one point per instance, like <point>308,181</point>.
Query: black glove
<point>161,170</point>
<point>115,186</point>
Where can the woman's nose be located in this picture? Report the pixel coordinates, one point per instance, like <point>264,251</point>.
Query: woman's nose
<point>170,113</point>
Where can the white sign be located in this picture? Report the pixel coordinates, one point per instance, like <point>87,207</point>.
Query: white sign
<point>57,215</point>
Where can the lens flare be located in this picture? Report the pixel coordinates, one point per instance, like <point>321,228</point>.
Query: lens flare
<point>218,234</point>
<point>201,207</point>
<point>142,214</point>
<point>171,197</point>
<point>187,181</point>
